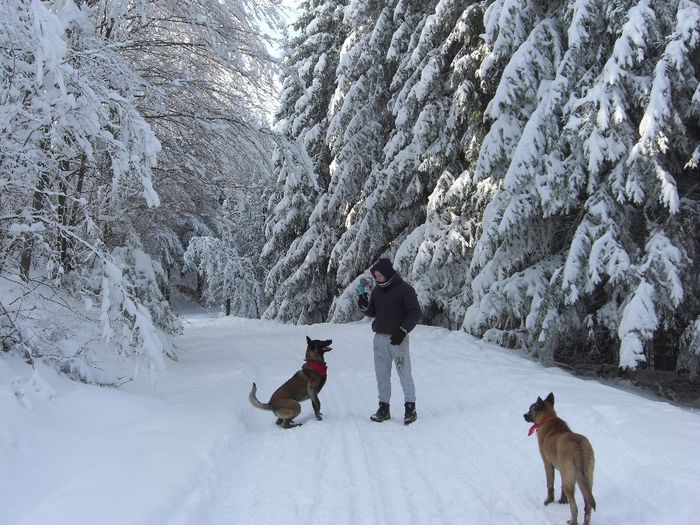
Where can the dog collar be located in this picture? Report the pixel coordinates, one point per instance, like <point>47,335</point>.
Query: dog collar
<point>317,366</point>
<point>536,426</point>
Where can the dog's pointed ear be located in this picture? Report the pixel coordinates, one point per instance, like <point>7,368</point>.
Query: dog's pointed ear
<point>550,398</point>
<point>308,340</point>
<point>539,400</point>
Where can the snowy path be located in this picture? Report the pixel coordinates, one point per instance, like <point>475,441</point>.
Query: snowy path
<point>194,452</point>
<point>467,460</point>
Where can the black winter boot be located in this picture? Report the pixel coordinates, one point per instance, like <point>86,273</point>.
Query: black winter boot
<point>410,414</point>
<point>382,414</point>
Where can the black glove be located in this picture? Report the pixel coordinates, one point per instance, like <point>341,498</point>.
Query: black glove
<point>363,301</point>
<point>398,336</point>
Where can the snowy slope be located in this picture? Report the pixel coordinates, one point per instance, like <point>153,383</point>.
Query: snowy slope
<point>193,451</point>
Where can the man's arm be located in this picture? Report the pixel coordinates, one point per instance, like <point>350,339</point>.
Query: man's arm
<point>412,308</point>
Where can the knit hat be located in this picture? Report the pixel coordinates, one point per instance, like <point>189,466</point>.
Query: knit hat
<point>384,267</point>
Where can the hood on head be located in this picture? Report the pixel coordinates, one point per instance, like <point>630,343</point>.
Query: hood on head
<point>384,267</point>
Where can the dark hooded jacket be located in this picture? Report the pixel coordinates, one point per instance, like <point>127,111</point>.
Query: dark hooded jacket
<point>394,305</point>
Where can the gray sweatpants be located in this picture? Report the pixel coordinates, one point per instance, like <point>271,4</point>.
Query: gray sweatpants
<point>384,354</point>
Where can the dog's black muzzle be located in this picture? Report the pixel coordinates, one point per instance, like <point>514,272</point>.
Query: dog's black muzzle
<point>528,417</point>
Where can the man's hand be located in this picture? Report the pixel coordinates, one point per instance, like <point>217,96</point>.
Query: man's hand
<point>398,336</point>
<point>363,301</point>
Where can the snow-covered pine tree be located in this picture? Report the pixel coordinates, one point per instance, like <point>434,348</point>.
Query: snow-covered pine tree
<point>512,262</point>
<point>299,238</point>
<point>560,174</point>
<point>436,256</point>
<point>594,166</point>
<point>623,281</point>
<point>357,132</point>
<point>396,191</point>
<point>288,217</point>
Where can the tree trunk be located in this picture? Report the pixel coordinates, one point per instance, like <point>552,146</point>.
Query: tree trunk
<point>25,262</point>
<point>200,285</point>
<point>62,213</point>
<point>228,307</point>
<point>70,222</point>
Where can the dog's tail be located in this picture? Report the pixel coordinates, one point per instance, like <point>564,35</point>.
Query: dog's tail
<point>254,400</point>
<point>584,475</point>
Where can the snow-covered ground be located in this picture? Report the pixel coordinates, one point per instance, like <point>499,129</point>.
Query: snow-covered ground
<point>192,450</point>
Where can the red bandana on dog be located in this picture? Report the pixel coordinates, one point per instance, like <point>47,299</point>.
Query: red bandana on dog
<point>318,367</point>
<point>538,425</point>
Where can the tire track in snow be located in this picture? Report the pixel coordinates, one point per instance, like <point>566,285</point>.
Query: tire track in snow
<point>392,456</point>
<point>360,479</point>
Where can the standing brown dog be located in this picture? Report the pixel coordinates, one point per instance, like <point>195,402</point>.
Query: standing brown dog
<point>571,454</point>
<point>305,384</point>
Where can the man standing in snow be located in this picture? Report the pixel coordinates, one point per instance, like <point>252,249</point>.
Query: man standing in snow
<point>394,306</point>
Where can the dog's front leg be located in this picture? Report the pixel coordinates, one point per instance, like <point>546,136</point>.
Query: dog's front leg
<point>315,403</point>
<point>549,472</point>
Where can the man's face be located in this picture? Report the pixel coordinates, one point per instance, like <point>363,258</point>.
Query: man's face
<point>378,276</point>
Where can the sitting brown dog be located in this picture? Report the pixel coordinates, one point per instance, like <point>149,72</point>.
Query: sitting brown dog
<point>305,384</point>
<point>571,454</point>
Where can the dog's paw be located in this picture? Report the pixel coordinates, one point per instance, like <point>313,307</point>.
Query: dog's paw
<point>563,500</point>
<point>319,416</point>
<point>549,500</point>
